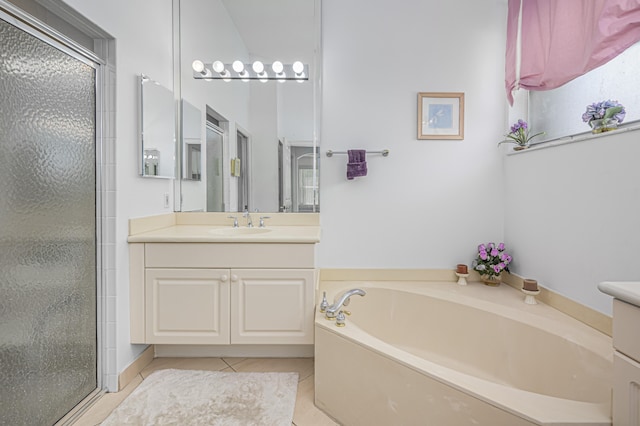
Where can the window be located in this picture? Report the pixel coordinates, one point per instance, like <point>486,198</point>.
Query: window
<point>306,189</point>
<point>558,112</point>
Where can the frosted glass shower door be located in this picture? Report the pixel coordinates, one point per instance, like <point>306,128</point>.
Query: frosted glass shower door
<point>48,348</point>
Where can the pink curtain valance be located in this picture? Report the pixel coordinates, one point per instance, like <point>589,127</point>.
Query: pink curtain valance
<point>551,42</point>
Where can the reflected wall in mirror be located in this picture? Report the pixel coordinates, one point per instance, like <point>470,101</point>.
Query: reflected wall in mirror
<point>263,125</point>
<point>157,123</point>
<point>191,142</point>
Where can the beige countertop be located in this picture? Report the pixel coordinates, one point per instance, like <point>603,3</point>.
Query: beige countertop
<point>227,234</point>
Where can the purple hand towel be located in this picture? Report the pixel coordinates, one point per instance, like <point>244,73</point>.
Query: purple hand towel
<point>357,165</point>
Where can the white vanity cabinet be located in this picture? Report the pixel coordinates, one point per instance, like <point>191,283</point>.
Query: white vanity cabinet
<point>188,306</point>
<point>272,306</point>
<point>208,293</point>
<point>626,357</point>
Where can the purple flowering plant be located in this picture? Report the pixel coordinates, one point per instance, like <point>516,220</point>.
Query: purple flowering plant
<point>519,134</point>
<point>603,110</point>
<point>492,259</point>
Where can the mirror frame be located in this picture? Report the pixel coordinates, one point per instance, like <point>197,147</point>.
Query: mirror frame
<point>177,85</point>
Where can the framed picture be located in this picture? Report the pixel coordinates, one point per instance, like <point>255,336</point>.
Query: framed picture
<point>440,115</point>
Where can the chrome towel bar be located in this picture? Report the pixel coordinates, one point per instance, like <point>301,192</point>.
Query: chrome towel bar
<point>384,152</point>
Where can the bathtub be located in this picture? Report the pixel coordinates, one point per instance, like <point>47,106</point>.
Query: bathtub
<point>436,353</point>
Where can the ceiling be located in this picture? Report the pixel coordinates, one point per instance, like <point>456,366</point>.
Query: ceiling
<point>275,29</point>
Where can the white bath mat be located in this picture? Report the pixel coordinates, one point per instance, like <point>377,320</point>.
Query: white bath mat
<point>187,397</point>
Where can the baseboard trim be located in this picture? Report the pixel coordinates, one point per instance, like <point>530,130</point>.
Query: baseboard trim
<point>129,373</point>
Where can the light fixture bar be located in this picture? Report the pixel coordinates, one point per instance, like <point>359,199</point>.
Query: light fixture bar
<point>219,71</point>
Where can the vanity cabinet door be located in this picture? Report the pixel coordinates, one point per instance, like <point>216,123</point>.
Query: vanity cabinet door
<point>187,306</point>
<point>272,306</point>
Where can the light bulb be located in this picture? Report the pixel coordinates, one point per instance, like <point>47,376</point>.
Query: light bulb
<point>258,67</point>
<point>198,66</point>
<point>277,67</point>
<point>298,67</point>
<point>238,66</point>
<point>218,66</point>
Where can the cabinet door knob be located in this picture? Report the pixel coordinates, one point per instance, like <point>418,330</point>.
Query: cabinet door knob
<point>234,277</point>
<point>224,278</point>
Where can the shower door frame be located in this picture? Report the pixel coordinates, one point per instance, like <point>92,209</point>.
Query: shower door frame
<point>25,22</point>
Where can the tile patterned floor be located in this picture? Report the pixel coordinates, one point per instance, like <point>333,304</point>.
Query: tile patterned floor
<point>305,414</point>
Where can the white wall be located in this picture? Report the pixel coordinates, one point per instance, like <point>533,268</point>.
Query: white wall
<point>143,45</point>
<point>572,215</point>
<point>430,203</point>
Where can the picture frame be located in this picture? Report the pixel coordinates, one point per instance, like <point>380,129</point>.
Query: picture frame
<point>440,115</point>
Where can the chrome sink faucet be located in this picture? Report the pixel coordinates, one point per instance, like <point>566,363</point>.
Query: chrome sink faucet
<point>333,310</point>
<point>248,216</point>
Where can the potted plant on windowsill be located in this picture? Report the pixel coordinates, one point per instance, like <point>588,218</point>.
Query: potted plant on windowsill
<point>492,259</point>
<point>604,116</point>
<point>520,135</point>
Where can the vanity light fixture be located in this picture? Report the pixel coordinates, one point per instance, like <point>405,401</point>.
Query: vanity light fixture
<point>298,69</point>
<point>238,70</point>
<point>198,66</point>
<point>258,68</point>
<point>238,67</point>
<point>217,66</point>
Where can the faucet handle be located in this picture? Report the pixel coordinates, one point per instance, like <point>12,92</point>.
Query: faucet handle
<point>324,304</point>
<point>235,220</point>
<point>262,218</point>
<point>340,319</point>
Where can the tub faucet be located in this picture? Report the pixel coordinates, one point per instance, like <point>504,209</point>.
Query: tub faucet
<point>332,310</point>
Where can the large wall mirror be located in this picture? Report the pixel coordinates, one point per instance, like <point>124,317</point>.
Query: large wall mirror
<point>157,145</point>
<point>248,144</point>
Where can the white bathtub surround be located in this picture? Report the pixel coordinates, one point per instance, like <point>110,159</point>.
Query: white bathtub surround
<point>583,313</point>
<point>587,315</point>
<point>450,354</point>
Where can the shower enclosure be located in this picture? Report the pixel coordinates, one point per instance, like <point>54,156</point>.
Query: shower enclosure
<point>48,238</point>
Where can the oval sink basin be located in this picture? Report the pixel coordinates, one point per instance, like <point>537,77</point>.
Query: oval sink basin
<point>239,231</point>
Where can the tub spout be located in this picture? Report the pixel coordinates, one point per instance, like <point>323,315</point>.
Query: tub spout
<point>332,310</point>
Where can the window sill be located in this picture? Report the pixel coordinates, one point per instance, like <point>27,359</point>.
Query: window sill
<point>580,137</point>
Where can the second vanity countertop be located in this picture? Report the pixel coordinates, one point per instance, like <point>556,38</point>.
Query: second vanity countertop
<point>627,291</point>
<point>216,228</point>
